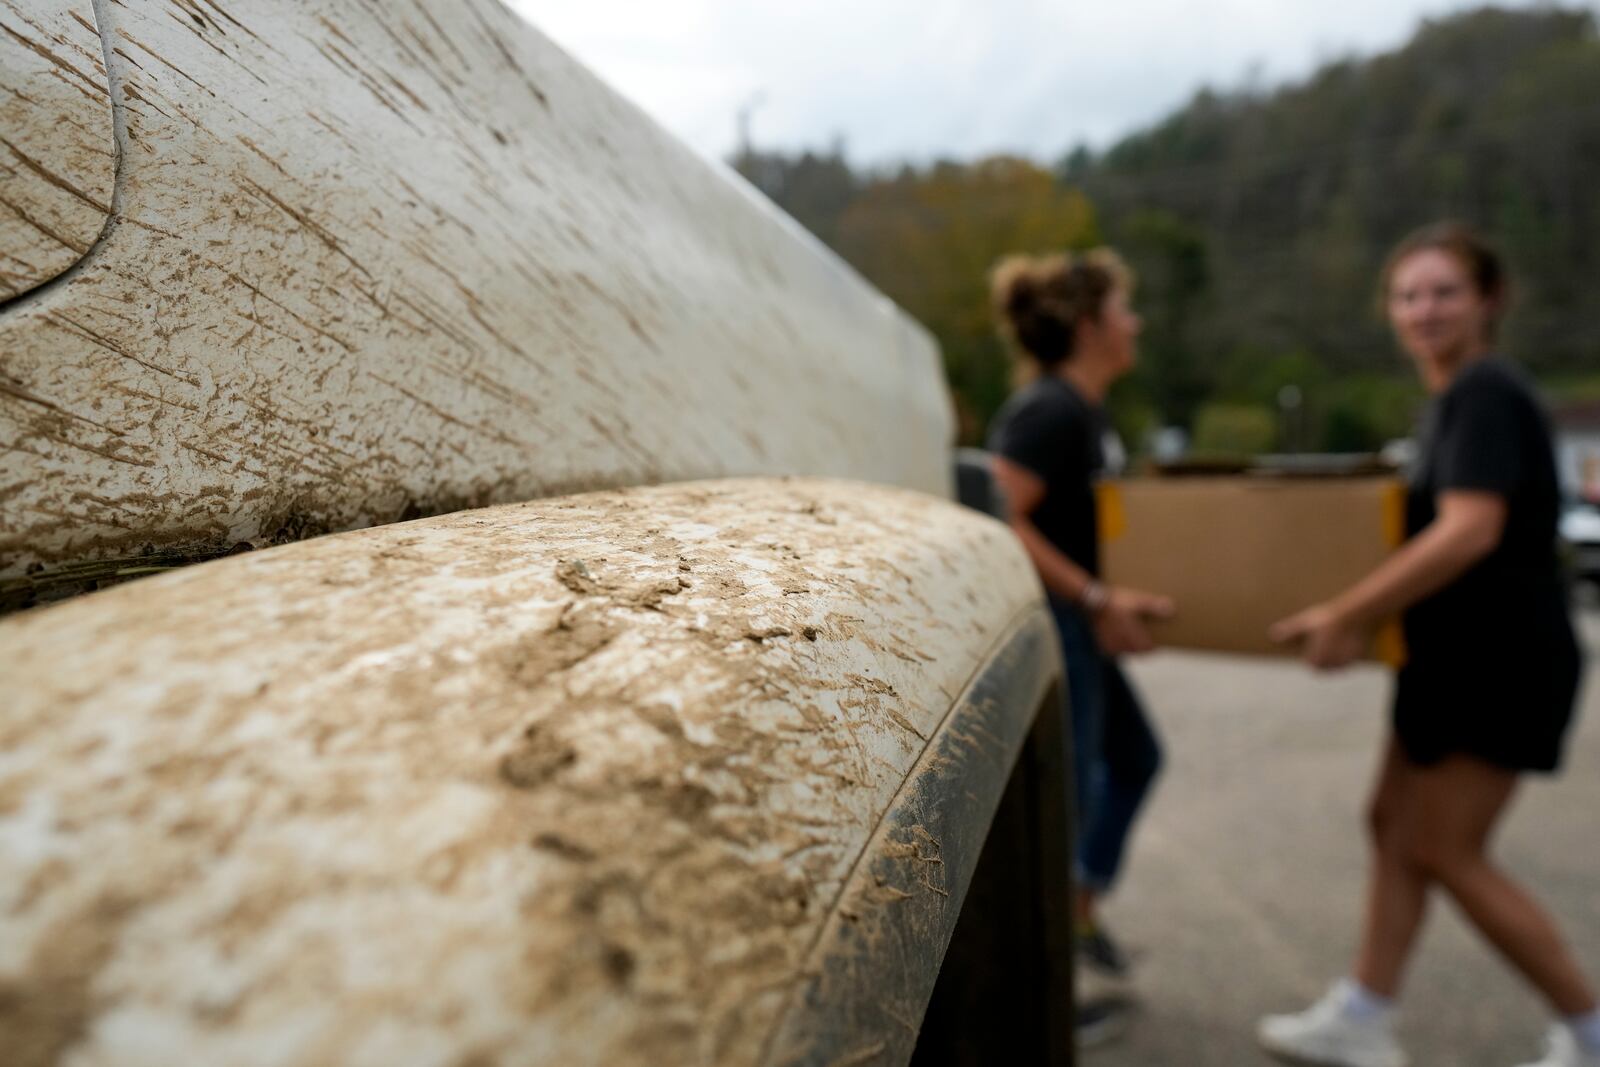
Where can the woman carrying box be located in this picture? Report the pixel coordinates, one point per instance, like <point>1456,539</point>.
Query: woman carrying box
<point>1071,321</point>
<point>1487,692</point>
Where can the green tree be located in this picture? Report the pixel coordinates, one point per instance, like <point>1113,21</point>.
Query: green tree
<point>1169,256</point>
<point>928,239</point>
<point>1258,220</point>
<point>1296,194</point>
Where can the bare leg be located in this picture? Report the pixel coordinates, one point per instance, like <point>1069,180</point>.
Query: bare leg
<point>1451,810</point>
<point>1397,893</point>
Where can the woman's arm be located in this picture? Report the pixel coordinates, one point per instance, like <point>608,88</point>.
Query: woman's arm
<point>1332,634</point>
<point>1119,621</point>
<point>1022,491</point>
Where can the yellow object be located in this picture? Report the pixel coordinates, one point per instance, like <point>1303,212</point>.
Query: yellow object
<point>1113,516</point>
<point>1389,644</point>
<point>1394,514</point>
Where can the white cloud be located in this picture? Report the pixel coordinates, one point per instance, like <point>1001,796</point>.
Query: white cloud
<point>918,78</point>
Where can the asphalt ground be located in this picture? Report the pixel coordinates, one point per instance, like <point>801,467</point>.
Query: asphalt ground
<point>1243,887</point>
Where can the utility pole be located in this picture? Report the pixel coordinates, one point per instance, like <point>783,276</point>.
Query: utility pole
<point>746,109</point>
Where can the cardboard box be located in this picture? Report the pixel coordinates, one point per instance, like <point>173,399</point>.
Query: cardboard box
<point>1239,553</point>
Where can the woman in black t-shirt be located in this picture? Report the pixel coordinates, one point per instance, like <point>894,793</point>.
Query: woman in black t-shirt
<point>1492,673</point>
<point>1071,321</point>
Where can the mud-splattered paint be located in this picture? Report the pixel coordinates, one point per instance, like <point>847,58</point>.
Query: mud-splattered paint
<point>376,259</point>
<point>57,151</point>
<point>574,782</point>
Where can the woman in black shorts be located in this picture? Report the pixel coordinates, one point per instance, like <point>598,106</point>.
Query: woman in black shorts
<point>1492,674</point>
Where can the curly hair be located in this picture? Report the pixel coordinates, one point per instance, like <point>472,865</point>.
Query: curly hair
<point>1040,300</point>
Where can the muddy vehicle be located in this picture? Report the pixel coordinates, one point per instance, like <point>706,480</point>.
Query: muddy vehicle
<point>483,586</point>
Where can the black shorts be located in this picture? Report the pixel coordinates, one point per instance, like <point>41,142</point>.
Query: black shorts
<point>1507,706</point>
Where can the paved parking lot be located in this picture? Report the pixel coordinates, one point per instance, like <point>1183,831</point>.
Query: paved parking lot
<point>1243,889</point>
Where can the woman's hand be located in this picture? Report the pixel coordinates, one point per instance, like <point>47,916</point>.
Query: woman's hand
<point>1120,627</point>
<point>1334,633</point>
<point>1328,639</point>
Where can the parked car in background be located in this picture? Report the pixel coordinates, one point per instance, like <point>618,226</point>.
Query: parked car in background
<point>1580,532</point>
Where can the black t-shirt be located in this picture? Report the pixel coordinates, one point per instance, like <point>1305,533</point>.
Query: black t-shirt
<point>1054,432</point>
<point>1487,431</point>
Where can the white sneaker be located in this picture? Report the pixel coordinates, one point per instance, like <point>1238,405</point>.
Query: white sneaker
<point>1561,1050</point>
<point>1327,1036</point>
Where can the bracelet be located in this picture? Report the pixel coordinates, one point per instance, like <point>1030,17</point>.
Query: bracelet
<point>1094,597</point>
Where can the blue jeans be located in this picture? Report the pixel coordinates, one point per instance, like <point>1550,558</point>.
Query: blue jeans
<point>1115,753</point>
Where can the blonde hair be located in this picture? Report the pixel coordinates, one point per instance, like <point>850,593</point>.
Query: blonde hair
<point>1040,300</point>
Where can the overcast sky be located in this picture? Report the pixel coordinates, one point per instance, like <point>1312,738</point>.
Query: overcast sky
<point>913,79</point>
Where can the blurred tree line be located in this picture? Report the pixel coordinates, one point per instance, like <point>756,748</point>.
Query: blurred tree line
<point>1258,221</point>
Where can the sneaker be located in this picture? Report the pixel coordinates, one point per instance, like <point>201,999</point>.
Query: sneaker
<point>1099,1021</point>
<point>1326,1035</point>
<point>1101,954</point>
<point>1561,1050</point>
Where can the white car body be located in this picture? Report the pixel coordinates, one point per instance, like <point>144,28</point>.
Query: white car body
<point>669,727</point>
